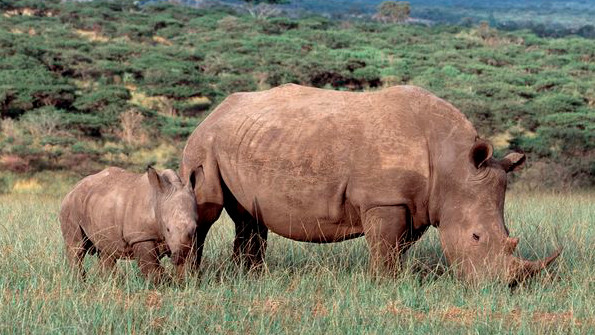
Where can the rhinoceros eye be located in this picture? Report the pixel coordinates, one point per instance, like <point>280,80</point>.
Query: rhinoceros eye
<point>168,229</point>
<point>476,237</point>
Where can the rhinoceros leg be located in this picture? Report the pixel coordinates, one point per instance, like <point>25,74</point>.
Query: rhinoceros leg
<point>77,246</point>
<point>202,229</point>
<point>250,241</point>
<point>107,263</point>
<point>209,195</point>
<point>411,236</point>
<point>147,254</point>
<point>384,227</point>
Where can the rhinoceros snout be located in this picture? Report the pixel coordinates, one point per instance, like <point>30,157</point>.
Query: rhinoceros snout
<point>190,234</point>
<point>179,256</point>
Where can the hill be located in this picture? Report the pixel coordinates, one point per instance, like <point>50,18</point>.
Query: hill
<point>550,18</point>
<point>83,85</point>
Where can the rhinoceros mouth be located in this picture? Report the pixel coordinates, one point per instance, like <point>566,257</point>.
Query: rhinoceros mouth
<point>179,256</point>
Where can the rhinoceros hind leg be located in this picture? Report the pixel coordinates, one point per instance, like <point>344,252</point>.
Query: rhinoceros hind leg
<point>384,228</point>
<point>75,256</point>
<point>147,255</point>
<point>77,245</point>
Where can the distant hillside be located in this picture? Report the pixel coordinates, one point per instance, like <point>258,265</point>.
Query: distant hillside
<point>545,18</point>
<point>89,84</point>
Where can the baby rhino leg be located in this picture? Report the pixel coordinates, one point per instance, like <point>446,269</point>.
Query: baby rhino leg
<point>147,254</point>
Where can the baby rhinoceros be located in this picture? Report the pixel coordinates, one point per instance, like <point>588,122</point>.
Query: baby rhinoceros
<point>119,214</point>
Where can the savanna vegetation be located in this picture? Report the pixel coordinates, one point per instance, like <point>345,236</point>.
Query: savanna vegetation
<point>89,84</point>
<point>305,288</point>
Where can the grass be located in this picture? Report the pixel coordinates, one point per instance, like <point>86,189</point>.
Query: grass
<point>306,288</point>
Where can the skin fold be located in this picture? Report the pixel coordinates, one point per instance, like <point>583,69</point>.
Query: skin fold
<point>324,166</point>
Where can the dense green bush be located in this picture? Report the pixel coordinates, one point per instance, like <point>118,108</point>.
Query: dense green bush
<point>67,78</point>
<point>103,97</point>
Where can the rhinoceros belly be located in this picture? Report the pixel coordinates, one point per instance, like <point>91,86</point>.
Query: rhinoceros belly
<point>103,224</point>
<point>290,170</point>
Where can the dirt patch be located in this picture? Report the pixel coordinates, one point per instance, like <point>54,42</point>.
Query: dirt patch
<point>14,163</point>
<point>319,310</point>
<point>153,300</point>
<point>91,35</point>
<point>468,316</point>
<point>399,310</point>
<point>21,11</point>
<point>458,315</point>
<point>271,306</point>
<point>277,307</point>
<point>162,40</point>
<point>158,322</point>
<point>556,318</point>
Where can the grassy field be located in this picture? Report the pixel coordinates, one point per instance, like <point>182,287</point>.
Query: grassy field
<point>306,288</point>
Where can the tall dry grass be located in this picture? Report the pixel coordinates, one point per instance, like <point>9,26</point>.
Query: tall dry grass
<point>305,288</point>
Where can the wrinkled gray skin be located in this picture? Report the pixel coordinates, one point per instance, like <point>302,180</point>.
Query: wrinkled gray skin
<point>325,166</point>
<point>118,214</point>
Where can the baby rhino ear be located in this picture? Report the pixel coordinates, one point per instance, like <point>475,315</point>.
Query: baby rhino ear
<point>156,182</point>
<point>513,161</point>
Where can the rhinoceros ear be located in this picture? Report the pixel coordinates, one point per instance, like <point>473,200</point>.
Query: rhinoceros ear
<point>156,182</point>
<point>513,161</point>
<point>480,153</point>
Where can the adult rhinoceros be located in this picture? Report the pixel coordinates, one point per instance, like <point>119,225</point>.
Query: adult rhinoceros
<point>325,166</point>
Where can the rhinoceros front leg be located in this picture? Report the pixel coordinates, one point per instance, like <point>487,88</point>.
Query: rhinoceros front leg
<point>250,242</point>
<point>384,228</point>
<point>107,263</point>
<point>208,213</point>
<point>209,195</point>
<point>147,255</point>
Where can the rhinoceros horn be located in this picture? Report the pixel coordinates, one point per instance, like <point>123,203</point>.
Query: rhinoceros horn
<point>522,269</point>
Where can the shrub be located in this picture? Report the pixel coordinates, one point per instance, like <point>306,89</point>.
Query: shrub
<point>557,103</point>
<point>83,148</point>
<point>177,128</point>
<point>102,97</point>
<point>278,25</point>
<point>131,127</point>
<point>42,121</point>
<point>88,124</point>
<point>5,184</point>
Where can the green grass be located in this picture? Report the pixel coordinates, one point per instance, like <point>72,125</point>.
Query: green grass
<point>306,288</point>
